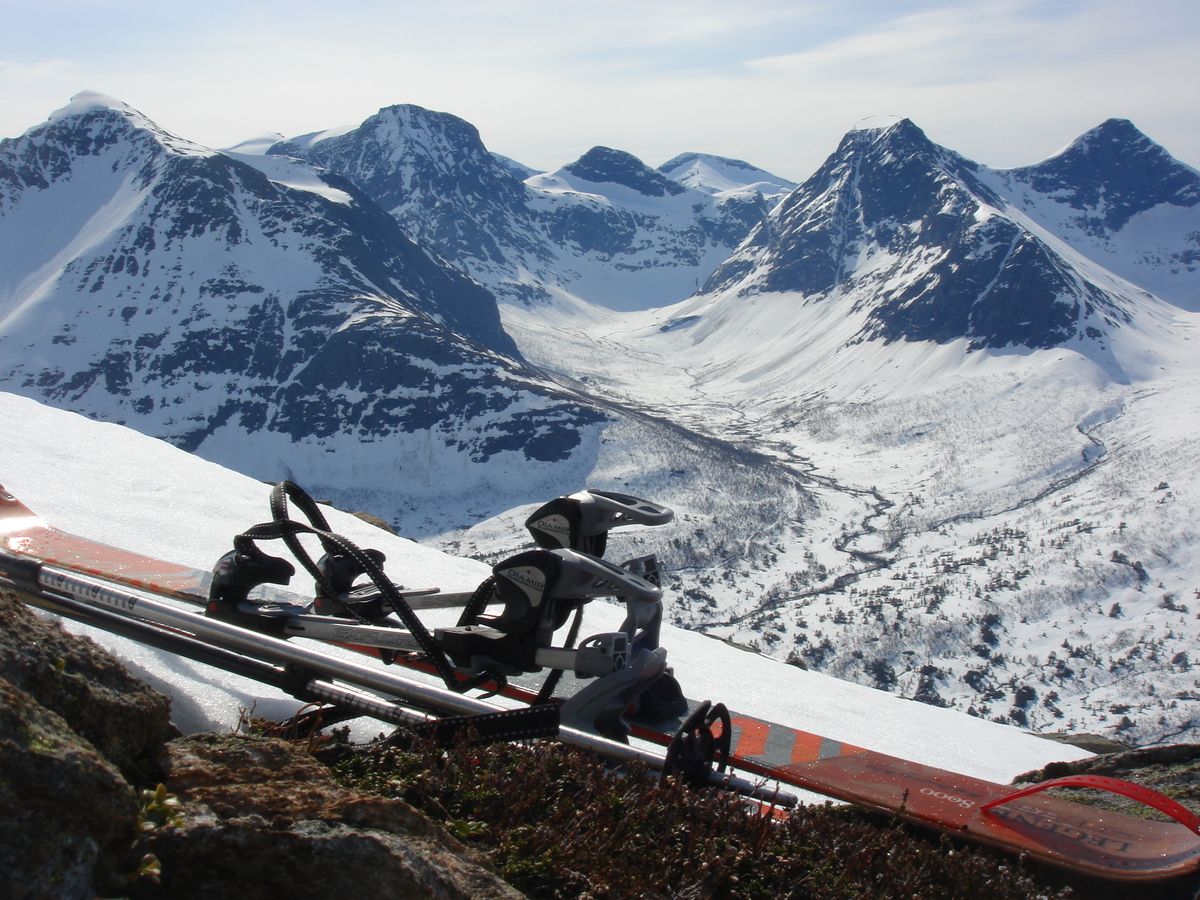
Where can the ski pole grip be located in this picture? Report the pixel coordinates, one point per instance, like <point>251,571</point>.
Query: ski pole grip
<point>1141,794</point>
<point>21,570</point>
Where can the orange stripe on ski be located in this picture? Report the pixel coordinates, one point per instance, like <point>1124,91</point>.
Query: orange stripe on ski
<point>813,747</point>
<point>753,740</point>
<point>750,736</point>
<point>807,747</point>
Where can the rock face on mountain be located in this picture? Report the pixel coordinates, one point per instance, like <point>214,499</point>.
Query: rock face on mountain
<point>263,315</point>
<point>605,228</point>
<point>913,234</point>
<point>1111,174</point>
<point>603,165</point>
<point>432,173</point>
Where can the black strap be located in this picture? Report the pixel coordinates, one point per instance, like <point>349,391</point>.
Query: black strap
<point>312,511</point>
<point>279,530</point>
<point>478,602</point>
<point>483,595</point>
<point>334,544</point>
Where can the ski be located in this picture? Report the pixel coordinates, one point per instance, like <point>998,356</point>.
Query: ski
<point>1048,828</point>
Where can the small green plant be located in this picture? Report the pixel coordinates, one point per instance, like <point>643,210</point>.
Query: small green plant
<point>149,869</point>
<point>160,809</point>
<point>467,829</point>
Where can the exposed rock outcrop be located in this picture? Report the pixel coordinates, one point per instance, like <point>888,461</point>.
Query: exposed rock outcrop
<point>126,721</point>
<point>67,814</point>
<point>262,818</point>
<point>257,817</point>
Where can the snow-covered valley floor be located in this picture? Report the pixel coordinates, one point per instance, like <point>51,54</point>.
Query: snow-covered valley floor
<point>1014,536</point>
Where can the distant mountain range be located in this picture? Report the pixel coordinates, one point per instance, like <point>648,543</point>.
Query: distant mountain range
<point>319,289</point>
<point>934,247</point>
<point>605,228</point>
<point>609,230</point>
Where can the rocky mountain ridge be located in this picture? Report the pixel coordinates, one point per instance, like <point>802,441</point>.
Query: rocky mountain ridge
<point>605,228</point>
<point>917,239</point>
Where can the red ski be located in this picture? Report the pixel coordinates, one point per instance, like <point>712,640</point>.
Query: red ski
<point>1075,836</point>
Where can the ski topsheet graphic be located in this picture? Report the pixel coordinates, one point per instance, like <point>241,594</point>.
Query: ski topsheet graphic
<point>1049,828</point>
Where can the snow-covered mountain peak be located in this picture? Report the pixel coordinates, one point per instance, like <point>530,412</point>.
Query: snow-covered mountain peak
<point>604,165</point>
<point>89,101</point>
<point>897,144</point>
<point>255,146</point>
<point>1120,199</point>
<point>724,176</point>
<point>431,172</point>
<point>95,120</point>
<point>912,238</point>
<point>398,136</point>
<point>407,123</point>
<point>1113,172</point>
<point>1109,133</point>
<point>301,142</point>
<point>878,122</point>
<point>880,127</point>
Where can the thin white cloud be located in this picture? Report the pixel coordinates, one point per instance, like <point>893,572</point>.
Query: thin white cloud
<point>1005,83</point>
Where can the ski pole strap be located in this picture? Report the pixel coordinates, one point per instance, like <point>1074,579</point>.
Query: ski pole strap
<point>483,595</point>
<point>1141,794</point>
<point>311,509</point>
<point>339,544</point>
<point>307,505</point>
<point>697,750</point>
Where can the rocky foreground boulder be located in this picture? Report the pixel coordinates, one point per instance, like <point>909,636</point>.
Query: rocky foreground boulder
<point>83,748</point>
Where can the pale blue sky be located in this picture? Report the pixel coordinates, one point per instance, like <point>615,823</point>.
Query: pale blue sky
<point>1005,82</point>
